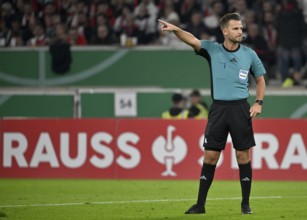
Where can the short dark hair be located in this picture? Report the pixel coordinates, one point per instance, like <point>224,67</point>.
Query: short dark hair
<point>226,18</point>
<point>195,93</point>
<point>177,97</point>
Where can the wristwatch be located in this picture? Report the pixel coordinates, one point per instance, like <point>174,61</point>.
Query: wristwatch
<point>260,102</point>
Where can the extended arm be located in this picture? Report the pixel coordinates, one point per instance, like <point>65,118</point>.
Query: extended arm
<point>260,89</point>
<point>184,36</point>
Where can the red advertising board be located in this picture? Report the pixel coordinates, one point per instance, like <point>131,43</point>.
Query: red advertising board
<point>142,149</point>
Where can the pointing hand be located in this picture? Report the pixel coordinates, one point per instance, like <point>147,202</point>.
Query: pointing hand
<point>167,26</point>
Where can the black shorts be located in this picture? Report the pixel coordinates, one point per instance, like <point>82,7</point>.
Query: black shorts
<point>229,117</point>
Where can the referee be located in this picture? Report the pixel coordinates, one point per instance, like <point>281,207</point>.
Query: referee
<point>230,112</point>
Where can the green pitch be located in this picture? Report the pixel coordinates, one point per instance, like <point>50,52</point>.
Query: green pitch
<point>130,199</point>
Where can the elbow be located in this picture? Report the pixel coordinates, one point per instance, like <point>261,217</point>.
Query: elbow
<point>260,79</point>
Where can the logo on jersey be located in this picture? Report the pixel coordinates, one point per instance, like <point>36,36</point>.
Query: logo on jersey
<point>233,60</point>
<point>243,75</point>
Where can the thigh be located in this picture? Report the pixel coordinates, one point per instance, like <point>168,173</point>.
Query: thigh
<point>241,129</point>
<point>216,129</point>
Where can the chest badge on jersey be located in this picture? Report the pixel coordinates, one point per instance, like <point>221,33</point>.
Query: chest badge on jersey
<point>243,74</point>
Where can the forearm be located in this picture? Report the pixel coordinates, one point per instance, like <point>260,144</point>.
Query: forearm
<point>182,35</point>
<point>260,88</point>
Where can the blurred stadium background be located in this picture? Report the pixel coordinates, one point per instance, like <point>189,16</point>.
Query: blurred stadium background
<point>116,45</point>
<point>153,74</point>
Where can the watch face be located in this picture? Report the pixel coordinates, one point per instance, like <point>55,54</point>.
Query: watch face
<point>260,102</point>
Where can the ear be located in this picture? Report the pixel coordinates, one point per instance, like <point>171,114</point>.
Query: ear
<point>224,31</point>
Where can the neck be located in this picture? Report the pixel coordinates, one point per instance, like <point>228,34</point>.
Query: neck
<point>229,45</point>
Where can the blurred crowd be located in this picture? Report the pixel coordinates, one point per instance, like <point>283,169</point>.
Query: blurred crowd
<point>275,29</point>
<point>183,107</point>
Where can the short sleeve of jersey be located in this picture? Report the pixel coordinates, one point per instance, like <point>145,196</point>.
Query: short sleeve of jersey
<point>207,45</point>
<point>257,66</point>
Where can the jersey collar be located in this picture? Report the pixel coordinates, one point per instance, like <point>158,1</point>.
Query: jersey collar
<point>231,51</point>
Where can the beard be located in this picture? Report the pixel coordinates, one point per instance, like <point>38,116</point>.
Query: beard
<point>236,40</point>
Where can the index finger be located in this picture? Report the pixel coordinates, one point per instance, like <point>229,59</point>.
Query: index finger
<point>161,21</point>
<point>252,113</point>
